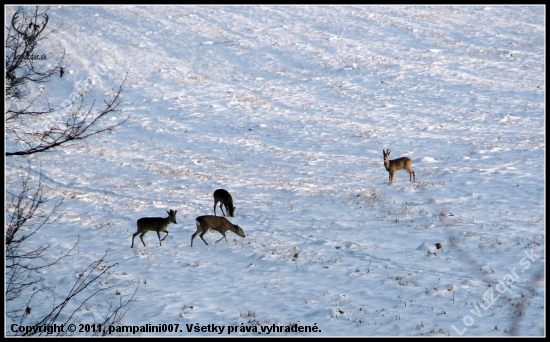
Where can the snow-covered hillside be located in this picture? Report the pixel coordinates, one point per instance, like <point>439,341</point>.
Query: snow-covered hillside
<point>289,108</point>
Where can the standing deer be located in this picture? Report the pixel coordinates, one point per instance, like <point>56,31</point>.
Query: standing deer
<point>154,224</point>
<point>225,199</point>
<point>403,163</point>
<point>221,224</point>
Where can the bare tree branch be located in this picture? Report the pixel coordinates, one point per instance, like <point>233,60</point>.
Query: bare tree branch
<point>22,37</point>
<point>78,126</point>
<point>79,122</point>
<point>24,217</point>
<point>531,286</point>
<point>24,209</point>
<point>86,278</point>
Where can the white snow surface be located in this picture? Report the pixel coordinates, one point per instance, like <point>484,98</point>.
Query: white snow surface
<point>289,108</point>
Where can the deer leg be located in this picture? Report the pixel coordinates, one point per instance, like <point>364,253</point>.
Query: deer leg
<point>133,237</point>
<point>201,236</point>
<point>222,209</point>
<point>193,237</point>
<point>199,229</point>
<point>221,238</point>
<point>165,235</point>
<point>411,174</point>
<point>158,234</point>
<point>141,237</point>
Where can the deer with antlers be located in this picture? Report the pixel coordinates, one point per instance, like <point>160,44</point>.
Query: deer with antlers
<point>392,166</point>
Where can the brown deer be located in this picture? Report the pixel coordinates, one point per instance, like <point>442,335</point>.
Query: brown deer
<point>403,163</point>
<point>225,199</point>
<point>221,224</point>
<point>154,224</point>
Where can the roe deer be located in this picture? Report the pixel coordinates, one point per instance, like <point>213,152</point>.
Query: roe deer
<point>154,224</point>
<point>224,198</point>
<point>403,163</point>
<point>221,224</point>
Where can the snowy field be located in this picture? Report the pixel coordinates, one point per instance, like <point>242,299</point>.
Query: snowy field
<point>289,108</point>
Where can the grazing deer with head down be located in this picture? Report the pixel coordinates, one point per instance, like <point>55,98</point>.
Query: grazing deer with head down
<point>403,163</point>
<point>221,224</point>
<point>225,199</point>
<point>154,224</point>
